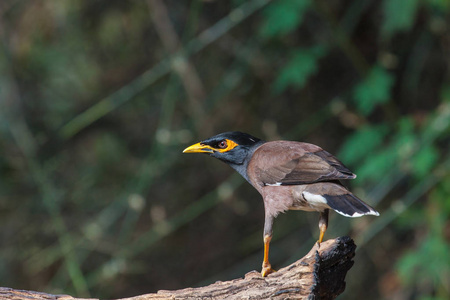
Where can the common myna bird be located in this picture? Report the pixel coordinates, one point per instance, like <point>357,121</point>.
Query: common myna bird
<point>288,175</point>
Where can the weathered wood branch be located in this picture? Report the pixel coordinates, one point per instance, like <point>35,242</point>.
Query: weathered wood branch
<point>318,275</point>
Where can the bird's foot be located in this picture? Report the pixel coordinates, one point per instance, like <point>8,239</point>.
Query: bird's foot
<point>267,269</point>
<point>318,244</point>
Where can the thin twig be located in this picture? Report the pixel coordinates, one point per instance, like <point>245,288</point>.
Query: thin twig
<point>180,64</point>
<point>127,92</point>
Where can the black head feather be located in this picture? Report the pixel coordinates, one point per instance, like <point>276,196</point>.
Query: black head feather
<point>240,155</point>
<point>240,138</point>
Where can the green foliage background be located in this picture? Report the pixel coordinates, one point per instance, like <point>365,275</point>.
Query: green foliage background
<point>99,98</point>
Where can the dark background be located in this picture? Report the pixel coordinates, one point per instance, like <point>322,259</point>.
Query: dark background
<point>99,98</point>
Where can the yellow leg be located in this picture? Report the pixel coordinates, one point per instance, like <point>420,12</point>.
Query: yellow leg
<point>323,224</point>
<point>322,233</point>
<point>266,267</point>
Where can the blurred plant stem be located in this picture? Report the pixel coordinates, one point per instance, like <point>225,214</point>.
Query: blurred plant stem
<point>129,91</point>
<point>50,196</point>
<point>180,64</point>
<point>166,227</point>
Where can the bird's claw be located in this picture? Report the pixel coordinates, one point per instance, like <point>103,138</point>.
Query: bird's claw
<point>266,270</point>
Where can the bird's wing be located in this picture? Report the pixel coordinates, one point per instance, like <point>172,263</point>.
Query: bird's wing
<point>292,163</point>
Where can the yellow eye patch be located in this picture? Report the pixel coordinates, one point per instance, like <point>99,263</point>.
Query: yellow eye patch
<point>202,148</point>
<point>229,146</point>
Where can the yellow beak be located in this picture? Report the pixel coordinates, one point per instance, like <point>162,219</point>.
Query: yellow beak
<point>198,148</point>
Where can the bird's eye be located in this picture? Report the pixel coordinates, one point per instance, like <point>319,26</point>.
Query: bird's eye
<point>222,144</point>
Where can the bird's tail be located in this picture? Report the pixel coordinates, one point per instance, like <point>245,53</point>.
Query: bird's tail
<point>349,205</point>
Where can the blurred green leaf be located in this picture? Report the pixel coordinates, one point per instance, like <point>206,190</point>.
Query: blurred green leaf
<point>411,217</point>
<point>425,266</point>
<point>104,146</point>
<point>445,93</point>
<point>440,196</point>
<point>405,125</point>
<point>373,90</point>
<point>301,65</point>
<point>111,31</point>
<point>424,161</point>
<point>377,165</point>
<point>405,139</point>
<point>395,21</point>
<point>441,5</point>
<point>359,144</point>
<point>425,263</point>
<point>378,162</point>
<point>282,17</point>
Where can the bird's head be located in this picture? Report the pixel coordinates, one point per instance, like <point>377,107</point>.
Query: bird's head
<point>231,147</point>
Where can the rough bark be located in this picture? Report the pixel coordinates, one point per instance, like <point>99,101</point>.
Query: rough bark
<point>318,275</point>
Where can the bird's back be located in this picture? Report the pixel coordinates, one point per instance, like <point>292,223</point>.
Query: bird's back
<point>294,163</point>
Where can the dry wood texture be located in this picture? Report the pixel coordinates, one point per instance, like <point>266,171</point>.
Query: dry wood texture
<point>318,275</point>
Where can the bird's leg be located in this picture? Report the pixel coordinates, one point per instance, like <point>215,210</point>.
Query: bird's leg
<point>323,224</point>
<point>266,267</point>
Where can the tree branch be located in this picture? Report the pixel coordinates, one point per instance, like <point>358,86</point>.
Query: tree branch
<point>318,275</point>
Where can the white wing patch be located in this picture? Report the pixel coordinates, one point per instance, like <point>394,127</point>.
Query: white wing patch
<point>318,201</point>
<point>274,184</point>
<point>314,199</point>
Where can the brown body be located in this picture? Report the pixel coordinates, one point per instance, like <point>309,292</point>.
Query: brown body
<point>281,171</point>
<point>289,176</point>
